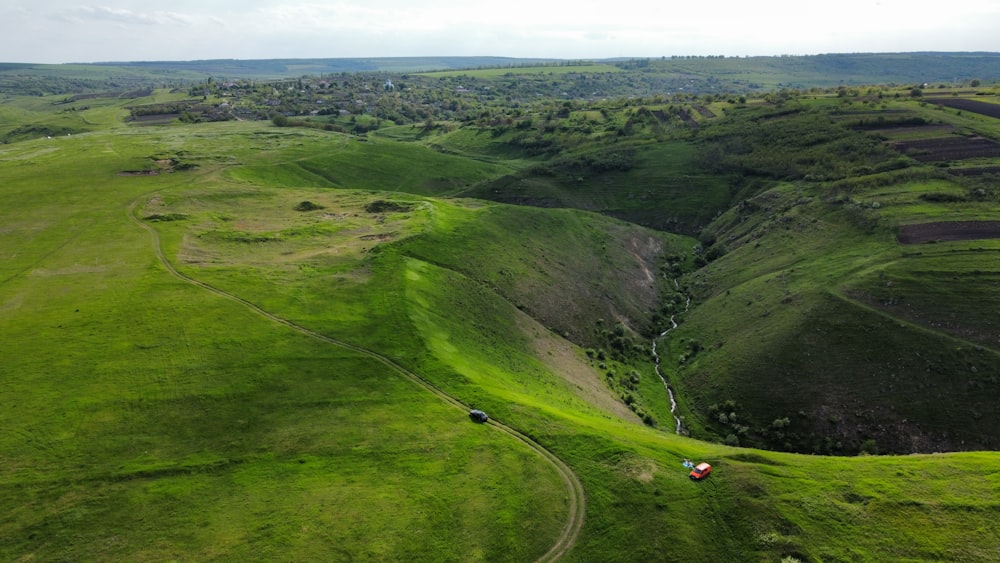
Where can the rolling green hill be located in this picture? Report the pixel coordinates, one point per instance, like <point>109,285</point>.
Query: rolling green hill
<point>235,340</point>
<point>819,325</point>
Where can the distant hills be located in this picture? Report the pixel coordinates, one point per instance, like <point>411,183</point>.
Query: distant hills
<point>290,68</point>
<point>710,74</point>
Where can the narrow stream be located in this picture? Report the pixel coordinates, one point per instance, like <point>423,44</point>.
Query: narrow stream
<point>656,359</point>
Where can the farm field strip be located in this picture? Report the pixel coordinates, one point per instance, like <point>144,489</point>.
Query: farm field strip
<point>947,231</point>
<point>975,106</point>
<point>975,171</point>
<point>916,132</point>
<point>948,148</point>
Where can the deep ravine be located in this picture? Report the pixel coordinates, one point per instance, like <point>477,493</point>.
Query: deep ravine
<point>679,427</point>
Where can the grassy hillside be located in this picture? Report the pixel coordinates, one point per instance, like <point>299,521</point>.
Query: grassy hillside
<point>263,345</point>
<point>361,163</point>
<point>823,333</point>
<point>156,419</point>
<point>658,185</point>
<point>794,300</point>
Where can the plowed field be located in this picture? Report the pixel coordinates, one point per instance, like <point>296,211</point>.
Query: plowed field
<point>980,171</point>
<point>946,231</point>
<point>948,148</point>
<point>964,104</point>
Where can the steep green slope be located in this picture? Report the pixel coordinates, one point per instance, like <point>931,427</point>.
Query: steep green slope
<point>585,277</point>
<point>565,268</point>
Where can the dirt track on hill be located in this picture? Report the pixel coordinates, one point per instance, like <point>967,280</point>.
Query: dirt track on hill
<point>948,231</point>
<point>577,498</point>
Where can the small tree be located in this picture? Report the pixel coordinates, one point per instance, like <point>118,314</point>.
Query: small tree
<point>869,447</point>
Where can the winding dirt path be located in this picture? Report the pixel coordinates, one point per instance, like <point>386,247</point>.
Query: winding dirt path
<point>577,499</point>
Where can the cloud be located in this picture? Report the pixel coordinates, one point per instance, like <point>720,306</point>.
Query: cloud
<point>83,14</point>
<point>183,29</point>
<point>342,16</point>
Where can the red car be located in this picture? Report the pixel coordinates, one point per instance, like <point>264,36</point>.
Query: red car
<point>700,471</point>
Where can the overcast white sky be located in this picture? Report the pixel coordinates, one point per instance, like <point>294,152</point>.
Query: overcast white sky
<point>57,31</point>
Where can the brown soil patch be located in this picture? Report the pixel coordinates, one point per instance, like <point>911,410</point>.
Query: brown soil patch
<point>947,231</point>
<point>948,148</point>
<point>381,237</point>
<point>705,112</point>
<point>154,119</point>
<point>161,166</point>
<point>912,131</point>
<point>979,171</point>
<point>964,104</point>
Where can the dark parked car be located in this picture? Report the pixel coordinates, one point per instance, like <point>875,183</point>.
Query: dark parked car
<point>478,415</point>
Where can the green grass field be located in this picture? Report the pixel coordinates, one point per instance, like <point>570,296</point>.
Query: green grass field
<point>185,424</point>
<point>249,408</point>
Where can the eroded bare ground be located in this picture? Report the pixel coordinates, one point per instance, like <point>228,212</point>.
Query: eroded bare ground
<point>564,360</point>
<point>159,166</point>
<point>949,231</point>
